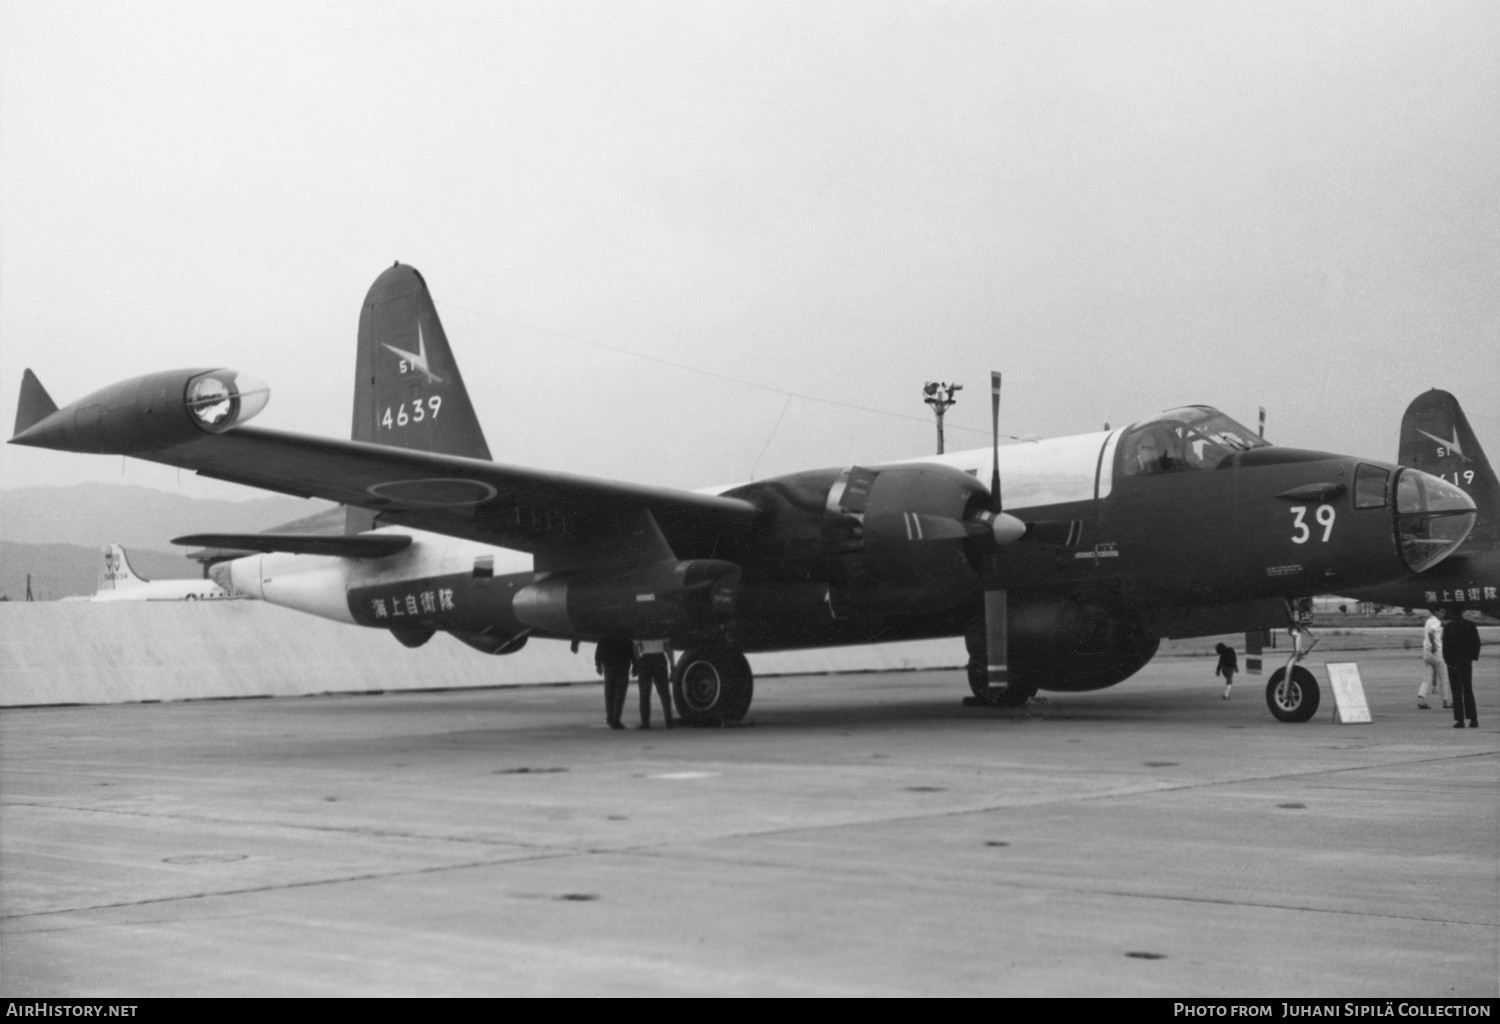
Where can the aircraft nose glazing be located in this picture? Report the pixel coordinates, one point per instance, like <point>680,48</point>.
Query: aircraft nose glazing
<point>1432,518</point>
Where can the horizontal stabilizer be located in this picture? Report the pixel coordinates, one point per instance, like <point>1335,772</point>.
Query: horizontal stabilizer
<point>341,546</point>
<point>34,405</point>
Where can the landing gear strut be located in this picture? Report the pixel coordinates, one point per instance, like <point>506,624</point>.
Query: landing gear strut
<point>1292,691</point>
<point>712,687</point>
<point>985,695</point>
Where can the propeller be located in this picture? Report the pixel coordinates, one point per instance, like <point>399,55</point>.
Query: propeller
<point>996,616</point>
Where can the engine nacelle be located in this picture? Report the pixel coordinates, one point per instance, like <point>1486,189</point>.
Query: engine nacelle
<point>153,412</point>
<point>682,600</point>
<point>906,541</point>
<point>1087,641</point>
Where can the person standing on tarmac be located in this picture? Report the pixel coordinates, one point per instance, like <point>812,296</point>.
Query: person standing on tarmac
<point>1434,673</point>
<point>1460,651</point>
<point>613,660</point>
<point>651,669</point>
<point>1229,664</point>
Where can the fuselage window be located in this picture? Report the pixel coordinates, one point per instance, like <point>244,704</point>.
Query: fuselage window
<point>1370,483</point>
<point>484,567</point>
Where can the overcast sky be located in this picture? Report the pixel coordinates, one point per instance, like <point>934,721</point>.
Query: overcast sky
<point>1122,206</point>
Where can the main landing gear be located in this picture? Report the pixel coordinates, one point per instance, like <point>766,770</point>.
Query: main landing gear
<point>1292,691</point>
<point>985,695</point>
<point>712,687</point>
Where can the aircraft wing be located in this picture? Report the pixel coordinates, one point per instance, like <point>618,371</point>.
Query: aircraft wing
<point>194,419</point>
<point>377,545</point>
<point>567,521</point>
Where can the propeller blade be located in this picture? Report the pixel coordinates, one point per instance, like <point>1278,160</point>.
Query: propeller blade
<point>996,640</point>
<point>995,439</point>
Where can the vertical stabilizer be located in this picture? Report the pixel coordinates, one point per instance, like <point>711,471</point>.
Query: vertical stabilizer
<point>408,392</point>
<point>1436,438</point>
<point>115,573</point>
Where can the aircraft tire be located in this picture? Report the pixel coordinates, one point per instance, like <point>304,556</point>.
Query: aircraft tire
<point>712,687</point>
<point>1299,701</point>
<point>979,685</point>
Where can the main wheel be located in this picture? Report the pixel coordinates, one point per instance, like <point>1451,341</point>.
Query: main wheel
<point>712,687</point>
<point>979,685</point>
<point>1294,700</point>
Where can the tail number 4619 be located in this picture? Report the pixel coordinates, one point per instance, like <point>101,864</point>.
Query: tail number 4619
<point>1325,516</point>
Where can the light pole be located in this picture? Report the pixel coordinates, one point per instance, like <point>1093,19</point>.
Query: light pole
<point>940,397</point>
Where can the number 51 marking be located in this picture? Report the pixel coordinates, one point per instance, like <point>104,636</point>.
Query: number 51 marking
<point>1325,515</point>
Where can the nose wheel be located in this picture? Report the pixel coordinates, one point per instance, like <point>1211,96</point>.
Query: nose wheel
<point>1292,692</point>
<point>1294,697</point>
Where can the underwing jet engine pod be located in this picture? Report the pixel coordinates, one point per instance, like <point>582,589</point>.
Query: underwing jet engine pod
<point>1061,562</point>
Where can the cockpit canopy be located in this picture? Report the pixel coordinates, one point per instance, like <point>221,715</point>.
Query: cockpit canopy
<point>1195,437</point>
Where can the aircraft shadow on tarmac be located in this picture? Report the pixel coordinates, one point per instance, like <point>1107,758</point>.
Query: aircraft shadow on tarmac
<point>888,701</point>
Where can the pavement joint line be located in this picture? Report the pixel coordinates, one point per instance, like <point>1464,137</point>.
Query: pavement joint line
<point>1061,886</point>
<point>1141,790</point>
<point>665,849</point>
<point>372,833</point>
<point>369,876</point>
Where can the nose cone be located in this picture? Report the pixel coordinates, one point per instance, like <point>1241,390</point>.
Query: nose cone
<point>1433,517</point>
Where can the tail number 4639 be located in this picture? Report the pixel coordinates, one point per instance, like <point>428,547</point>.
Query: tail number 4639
<point>400,417</point>
<point>1325,516</point>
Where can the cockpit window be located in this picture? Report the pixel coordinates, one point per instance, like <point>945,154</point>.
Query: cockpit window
<point>1194,438</point>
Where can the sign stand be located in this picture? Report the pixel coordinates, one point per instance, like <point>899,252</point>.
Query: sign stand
<point>1349,704</point>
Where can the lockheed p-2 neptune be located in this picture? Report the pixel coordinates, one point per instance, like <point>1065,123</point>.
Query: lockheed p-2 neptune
<point>1062,563</point>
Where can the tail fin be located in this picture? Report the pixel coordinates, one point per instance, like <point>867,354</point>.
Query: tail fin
<point>408,392</point>
<point>34,405</point>
<point>115,573</point>
<point>1436,438</point>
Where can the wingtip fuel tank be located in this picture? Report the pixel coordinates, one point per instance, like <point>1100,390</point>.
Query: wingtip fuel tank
<point>142,414</point>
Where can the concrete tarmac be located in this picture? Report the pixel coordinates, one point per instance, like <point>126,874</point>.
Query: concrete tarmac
<point>868,835</point>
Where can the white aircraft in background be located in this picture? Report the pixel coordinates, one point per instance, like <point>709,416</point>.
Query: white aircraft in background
<point>118,582</point>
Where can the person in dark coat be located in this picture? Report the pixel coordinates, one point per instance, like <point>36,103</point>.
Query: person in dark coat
<point>613,659</point>
<point>1460,651</point>
<point>1229,664</point>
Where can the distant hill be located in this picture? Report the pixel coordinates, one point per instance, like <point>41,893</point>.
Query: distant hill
<point>140,518</point>
<point>72,570</point>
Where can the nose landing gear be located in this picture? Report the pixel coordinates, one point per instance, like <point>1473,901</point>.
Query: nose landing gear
<point>1292,691</point>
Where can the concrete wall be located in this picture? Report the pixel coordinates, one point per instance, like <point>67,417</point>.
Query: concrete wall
<point>91,653</point>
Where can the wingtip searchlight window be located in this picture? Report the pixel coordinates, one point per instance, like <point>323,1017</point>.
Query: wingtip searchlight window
<point>1197,437</point>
